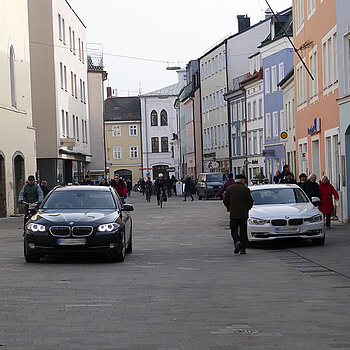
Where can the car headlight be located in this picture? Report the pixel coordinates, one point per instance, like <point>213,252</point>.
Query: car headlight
<point>108,227</point>
<point>36,227</point>
<point>255,221</point>
<point>316,218</point>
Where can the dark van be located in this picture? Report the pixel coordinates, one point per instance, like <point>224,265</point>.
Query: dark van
<point>209,184</point>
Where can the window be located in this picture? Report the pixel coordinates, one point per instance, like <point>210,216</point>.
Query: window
<point>261,112</point>
<point>72,81</point>
<point>282,121</point>
<point>77,127</point>
<point>163,118</point>
<point>61,74</point>
<point>86,132</point>
<point>67,124</point>
<point>116,131</point>
<point>214,101</point>
<point>249,111</point>
<point>299,14</point>
<point>74,127</point>
<point>301,85</point>
<point>224,59</point>
<point>220,61</point>
<point>164,144</point>
<point>216,64</point>
<point>79,47</point>
<point>84,94</point>
<point>133,130</point>
<point>13,78</point>
<point>83,131</point>
<point>65,78</point>
<point>267,81</point>
<point>81,91</point>
<point>254,110</point>
<point>215,137</point>
<point>275,124</point>
<point>206,69</point>
<point>73,37</point>
<point>311,7</point>
<point>314,71</point>
<point>268,126</point>
<point>280,72</point>
<point>205,138</point>
<point>70,39</point>
<point>329,60</point>
<point>59,27</point>
<point>274,78</point>
<point>63,31</point>
<point>226,133</point>
<point>117,152</point>
<point>82,52</point>
<point>75,86</point>
<point>63,124</point>
<point>154,118</point>
<point>155,144</point>
<point>134,152</point>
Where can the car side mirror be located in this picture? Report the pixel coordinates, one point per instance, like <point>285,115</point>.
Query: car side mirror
<point>316,201</point>
<point>127,207</point>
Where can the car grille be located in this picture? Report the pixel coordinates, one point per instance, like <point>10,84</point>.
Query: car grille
<point>278,222</point>
<point>295,222</point>
<point>79,231</point>
<point>60,231</point>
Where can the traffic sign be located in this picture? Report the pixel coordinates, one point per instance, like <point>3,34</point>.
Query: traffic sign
<point>171,169</point>
<point>284,135</point>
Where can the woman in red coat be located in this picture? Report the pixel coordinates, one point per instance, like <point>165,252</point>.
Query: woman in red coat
<point>326,206</point>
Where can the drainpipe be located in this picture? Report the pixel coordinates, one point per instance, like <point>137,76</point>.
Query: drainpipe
<point>228,114</point>
<point>246,134</point>
<point>194,139</point>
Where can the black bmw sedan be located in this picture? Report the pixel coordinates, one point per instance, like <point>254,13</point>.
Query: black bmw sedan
<point>80,219</point>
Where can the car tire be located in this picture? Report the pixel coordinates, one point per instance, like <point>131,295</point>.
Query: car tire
<point>129,247</point>
<point>206,196</point>
<point>118,255</point>
<point>30,258</point>
<point>319,241</point>
<point>199,196</point>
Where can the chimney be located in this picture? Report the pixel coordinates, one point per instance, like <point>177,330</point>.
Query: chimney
<point>109,91</point>
<point>243,22</point>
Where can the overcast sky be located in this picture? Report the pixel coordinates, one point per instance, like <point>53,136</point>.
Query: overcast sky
<point>173,32</point>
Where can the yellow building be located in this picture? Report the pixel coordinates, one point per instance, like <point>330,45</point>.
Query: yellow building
<point>17,134</point>
<point>122,118</point>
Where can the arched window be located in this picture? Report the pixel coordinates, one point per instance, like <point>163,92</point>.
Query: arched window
<point>154,118</point>
<point>13,77</point>
<point>163,118</point>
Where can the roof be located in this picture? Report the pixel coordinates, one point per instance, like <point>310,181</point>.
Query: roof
<point>286,19</point>
<point>171,90</point>
<point>122,109</point>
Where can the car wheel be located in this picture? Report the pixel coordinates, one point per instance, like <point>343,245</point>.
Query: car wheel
<point>30,258</point>
<point>119,254</point>
<point>206,195</point>
<point>199,196</point>
<point>319,241</point>
<point>129,248</point>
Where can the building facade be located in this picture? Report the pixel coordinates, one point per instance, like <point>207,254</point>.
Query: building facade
<point>59,91</point>
<point>17,134</point>
<point>159,124</point>
<point>343,44</point>
<point>96,77</point>
<point>277,58</point>
<point>122,117</point>
<point>316,108</point>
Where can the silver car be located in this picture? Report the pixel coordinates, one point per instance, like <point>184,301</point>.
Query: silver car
<point>284,211</point>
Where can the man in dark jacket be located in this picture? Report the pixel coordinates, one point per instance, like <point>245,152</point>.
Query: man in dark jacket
<point>87,181</point>
<point>119,185</point>
<point>228,183</point>
<point>238,202</point>
<point>311,187</point>
<point>188,187</point>
<point>302,180</point>
<point>288,179</point>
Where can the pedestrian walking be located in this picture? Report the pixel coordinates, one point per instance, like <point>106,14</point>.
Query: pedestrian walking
<point>277,177</point>
<point>174,181</point>
<point>142,185</point>
<point>87,181</point>
<point>311,187</point>
<point>302,181</point>
<point>286,168</point>
<point>119,185</point>
<point>103,182</point>
<point>44,187</point>
<point>327,191</point>
<point>129,186</point>
<point>230,181</point>
<point>169,185</point>
<point>238,201</point>
<point>288,179</point>
<point>188,188</point>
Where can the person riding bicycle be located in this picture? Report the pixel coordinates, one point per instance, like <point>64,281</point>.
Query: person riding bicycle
<point>148,188</point>
<point>30,193</point>
<point>160,187</point>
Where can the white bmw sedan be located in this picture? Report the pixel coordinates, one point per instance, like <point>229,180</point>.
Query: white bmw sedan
<point>284,211</point>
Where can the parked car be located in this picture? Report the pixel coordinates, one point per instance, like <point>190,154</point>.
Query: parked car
<point>209,184</point>
<point>80,219</point>
<point>284,211</point>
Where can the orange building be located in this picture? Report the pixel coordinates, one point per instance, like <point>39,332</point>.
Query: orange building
<point>316,108</point>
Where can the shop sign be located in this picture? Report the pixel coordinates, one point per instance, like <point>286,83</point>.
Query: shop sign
<point>316,127</point>
<point>304,157</point>
<point>209,155</point>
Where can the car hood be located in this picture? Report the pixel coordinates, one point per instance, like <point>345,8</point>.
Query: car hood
<point>76,217</point>
<point>267,212</point>
<point>215,183</point>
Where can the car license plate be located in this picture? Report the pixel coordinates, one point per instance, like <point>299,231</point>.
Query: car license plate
<point>287,229</point>
<point>71,241</point>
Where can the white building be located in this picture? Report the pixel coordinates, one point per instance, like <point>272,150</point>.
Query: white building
<point>159,126</point>
<point>17,134</point>
<point>59,90</point>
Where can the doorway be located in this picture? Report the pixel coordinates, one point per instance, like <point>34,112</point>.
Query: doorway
<point>19,181</point>
<point>3,211</point>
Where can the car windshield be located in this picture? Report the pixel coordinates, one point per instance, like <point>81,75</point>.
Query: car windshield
<point>215,177</point>
<point>279,196</point>
<point>80,200</point>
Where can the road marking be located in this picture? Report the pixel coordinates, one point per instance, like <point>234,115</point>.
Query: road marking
<point>188,268</point>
